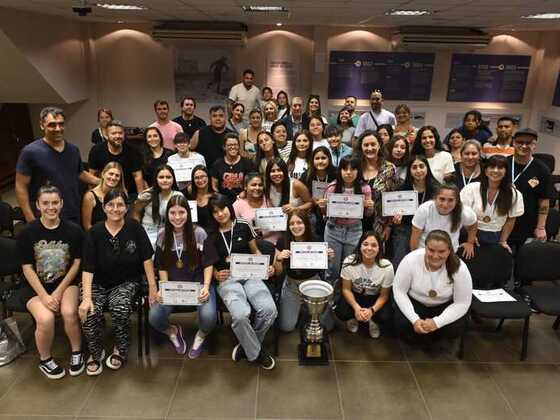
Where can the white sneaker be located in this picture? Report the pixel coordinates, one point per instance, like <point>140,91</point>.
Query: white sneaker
<point>352,325</point>
<point>374,329</point>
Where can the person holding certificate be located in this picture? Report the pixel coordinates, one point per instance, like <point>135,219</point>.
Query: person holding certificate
<point>281,191</point>
<point>495,201</point>
<point>236,236</point>
<point>342,234</point>
<point>180,257</point>
<point>432,292</point>
<point>366,287</point>
<point>299,230</point>
<point>184,160</point>
<point>419,178</point>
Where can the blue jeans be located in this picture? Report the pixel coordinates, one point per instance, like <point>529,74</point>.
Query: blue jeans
<point>207,314</point>
<point>400,243</point>
<point>343,240</point>
<point>485,238</point>
<point>240,296</point>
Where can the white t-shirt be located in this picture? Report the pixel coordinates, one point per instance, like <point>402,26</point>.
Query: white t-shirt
<point>249,98</point>
<point>440,164</point>
<point>366,122</point>
<point>150,227</point>
<point>300,166</point>
<point>427,218</point>
<point>414,280</point>
<point>368,280</point>
<point>470,196</point>
<point>193,160</point>
<point>322,142</point>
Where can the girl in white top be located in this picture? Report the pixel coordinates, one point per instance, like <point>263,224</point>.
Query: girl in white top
<point>300,155</point>
<point>316,131</point>
<point>432,292</point>
<point>283,191</point>
<point>495,201</point>
<point>153,202</point>
<point>445,212</point>
<point>366,286</point>
<point>428,143</point>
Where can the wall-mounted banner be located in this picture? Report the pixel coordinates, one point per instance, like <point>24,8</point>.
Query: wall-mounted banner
<point>488,78</point>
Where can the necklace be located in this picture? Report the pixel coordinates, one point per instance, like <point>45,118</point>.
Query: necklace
<point>230,245</point>
<point>179,252</point>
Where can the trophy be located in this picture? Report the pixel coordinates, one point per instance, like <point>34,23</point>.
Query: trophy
<point>316,295</point>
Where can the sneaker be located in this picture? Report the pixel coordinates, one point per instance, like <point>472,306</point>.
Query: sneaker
<point>352,325</point>
<point>51,369</point>
<point>77,363</point>
<point>238,353</point>
<point>196,348</point>
<point>178,341</point>
<point>265,360</point>
<point>374,329</point>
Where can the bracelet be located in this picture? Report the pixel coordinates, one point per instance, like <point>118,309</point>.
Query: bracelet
<point>539,228</point>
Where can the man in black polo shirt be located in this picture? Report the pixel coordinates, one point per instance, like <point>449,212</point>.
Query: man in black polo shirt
<point>190,122</point>
<point>209,140</point>
<point>115,150</point>
<point>531,177</point>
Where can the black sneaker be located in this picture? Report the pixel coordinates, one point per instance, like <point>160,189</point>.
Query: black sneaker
<point>51,369</point>
<point>77,363</point>
<point>265,360</point>
<point>238,353</point>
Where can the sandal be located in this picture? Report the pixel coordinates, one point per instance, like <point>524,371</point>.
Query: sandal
<point>98,364</point>
<point>115,361</point>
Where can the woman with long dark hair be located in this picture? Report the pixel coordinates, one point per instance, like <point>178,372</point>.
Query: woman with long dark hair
<point>398,153</point>
<point>248,136</point>
<point>282,191</point>
<point>428,143</point>
<point>469,168</point>
<point>279,131</point>
<point>300,156</point>
<point>155,154</point>
<point>313,108</point>
<point>432,292</point>
<point>455,144</point>
<point>266,150</point>
<point>495,201</point>
<point>344,121</point>
<point>200,190</point>
<point>236,123</point>
<point>283,104</point>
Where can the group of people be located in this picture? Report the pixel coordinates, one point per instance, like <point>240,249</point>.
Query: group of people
<point>181,208</point>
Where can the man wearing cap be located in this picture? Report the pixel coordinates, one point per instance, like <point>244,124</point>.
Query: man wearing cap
<point>376,116</point>
<point>531,177</point>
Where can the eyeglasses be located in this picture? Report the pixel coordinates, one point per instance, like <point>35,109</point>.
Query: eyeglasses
<point>523,143</point>
<point>200,177</point>
<point>116,245</point>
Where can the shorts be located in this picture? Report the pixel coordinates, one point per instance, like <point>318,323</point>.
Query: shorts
<point>26,293</point>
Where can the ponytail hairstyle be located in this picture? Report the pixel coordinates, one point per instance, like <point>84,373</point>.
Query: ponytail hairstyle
<point>352,163</point>
<point>189,241</point>
<point>505,198</point>
<point>453,262</point>
<point>457,212</point>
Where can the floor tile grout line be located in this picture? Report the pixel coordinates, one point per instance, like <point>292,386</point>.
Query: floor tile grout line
<point>174,392</point>
<point>257,392</point>
<point>338,388</point>
<point>86,399</point>
<point>501,392</point>
<point>418,388</point>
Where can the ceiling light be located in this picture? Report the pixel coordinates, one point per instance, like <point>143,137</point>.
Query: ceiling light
<point>279,24</point>
<point>264,9</point>
<point>543,16</point>
<point>120,6</point>
<point>407,12</point>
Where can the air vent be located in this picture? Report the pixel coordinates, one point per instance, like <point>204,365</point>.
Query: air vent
<point>440,37</point>
<point>204,31</point>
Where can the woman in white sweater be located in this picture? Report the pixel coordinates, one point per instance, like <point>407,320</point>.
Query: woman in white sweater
<point>432,291</point>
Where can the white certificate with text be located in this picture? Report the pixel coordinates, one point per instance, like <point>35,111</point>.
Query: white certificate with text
<point>404,203</point>
<point>183,170</point>
<point>194,211</point>
<point>180,293</point>
<point>309,255</point>
<point>272,219</point>
<point>249,266</point>
<point>348,206</point>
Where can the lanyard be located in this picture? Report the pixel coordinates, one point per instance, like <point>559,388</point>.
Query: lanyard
<point>178,251</point>
<point>228,248</point>
<point>515,178</point>
<point>465,183</point>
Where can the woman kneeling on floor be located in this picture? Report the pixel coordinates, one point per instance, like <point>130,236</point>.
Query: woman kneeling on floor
<point>117,252</point>
<point>50,250</point>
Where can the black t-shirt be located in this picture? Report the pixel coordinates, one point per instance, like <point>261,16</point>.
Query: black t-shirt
<point>297,273</point>
<point>129,159</point>
<point>243,233</point>
<point>231,177</point>
<point>534,184</point>
<point>114,260</point>
<point>190,126</point>
<point>459,177</point>
<point>150,168</point>
<point>50,251</point>
<point>211,144</point>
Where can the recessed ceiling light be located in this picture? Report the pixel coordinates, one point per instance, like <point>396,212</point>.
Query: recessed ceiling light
<point>543,16</point>
<point>408,12</point>
<point>120,6</point>
<point>264,9</point>
<point>279,24</point>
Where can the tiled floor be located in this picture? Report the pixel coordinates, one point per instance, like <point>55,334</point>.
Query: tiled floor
<point>367,379</point>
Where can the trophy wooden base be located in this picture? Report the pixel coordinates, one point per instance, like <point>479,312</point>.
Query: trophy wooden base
<point>313,354</point>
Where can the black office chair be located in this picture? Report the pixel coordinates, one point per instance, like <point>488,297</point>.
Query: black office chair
<point>555,181</point>
<point>547,159</point>
<point>6,219</point>
<point>10,274</point>
<point>536,263</point>
<point>552,223</point>
<point>491,268</point>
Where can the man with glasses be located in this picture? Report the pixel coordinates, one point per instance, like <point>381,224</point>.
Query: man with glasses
<point>51,159</point>
<point>531,177</point>
<point>376,117</point>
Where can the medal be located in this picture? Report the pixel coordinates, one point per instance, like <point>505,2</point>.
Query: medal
<point>432,293</point>
<point>228,259</point>
<point>179,252</point>
<point>179,264</point>
<point>230,245</point>
<point>486,219</point>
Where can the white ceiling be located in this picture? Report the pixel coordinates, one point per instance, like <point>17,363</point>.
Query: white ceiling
<point>489,14</point>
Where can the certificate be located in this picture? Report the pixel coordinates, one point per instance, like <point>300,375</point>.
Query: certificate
<point>399,202</point>
<point>348,206</point>
<point>180,293</point>
<point>319,188</point>
<point>272,219</point>
<point>494,295</point>
<point>249,266</point>
<point>309,255</point>
<point>194,211</point>
<point>183,170</point>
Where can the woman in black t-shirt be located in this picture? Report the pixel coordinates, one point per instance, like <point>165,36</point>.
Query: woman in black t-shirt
<point>299,230</point>
<point>200,189</point>
<point>155,154</point>
<point>236,236</point>
<point>50,251</point>
<point>116,254</point>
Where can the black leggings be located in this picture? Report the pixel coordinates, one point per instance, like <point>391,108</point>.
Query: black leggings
<point>384,316</point>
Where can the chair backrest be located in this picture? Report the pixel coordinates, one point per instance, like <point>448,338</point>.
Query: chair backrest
<point>6,218</point>
<point>547,159</point>
<point>266,248</point>
<point>538,261</point>
<point>552,223</point>
<point>9,260</point>
<point>491,266</point>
